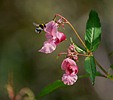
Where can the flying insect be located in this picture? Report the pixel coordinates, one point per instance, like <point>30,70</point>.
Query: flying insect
<point>39,27</point>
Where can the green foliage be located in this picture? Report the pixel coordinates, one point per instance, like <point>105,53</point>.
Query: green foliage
<point>78,48</point>
<point>110,77</point>
<point>111,67</point>
<point>50,88</point>
<point>87,75</point>
<point>93,31</point>
<point>90,67</point>
<point>111,53</point>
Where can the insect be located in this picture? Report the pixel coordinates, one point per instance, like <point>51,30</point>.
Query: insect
<point>39,27</point>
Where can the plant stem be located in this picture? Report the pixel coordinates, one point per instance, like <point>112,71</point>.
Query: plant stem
<point>87,75</point>
<point>66,21</point>
<point>76,34</point>
<point>101,67</point>
<point>82,55</point>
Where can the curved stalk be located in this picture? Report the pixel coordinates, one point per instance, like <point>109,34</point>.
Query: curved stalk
<point>105,72</point>
<point>66,21</point>
<point>76,34</point>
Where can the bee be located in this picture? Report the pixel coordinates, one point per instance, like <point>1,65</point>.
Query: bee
<point>39,27</point>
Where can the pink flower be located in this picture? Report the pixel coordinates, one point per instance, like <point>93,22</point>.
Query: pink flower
<point>53,36</point>
<point>71,70</point>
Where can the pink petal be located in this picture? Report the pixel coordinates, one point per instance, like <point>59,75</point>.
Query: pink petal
<point>51,28</point>
<point>69,66</point>
<point>48,36</point>
<point>71,70</point>
<point>60,37</point>
<point>48,47</point>
<point>69,79</point>
<point>68,62</point>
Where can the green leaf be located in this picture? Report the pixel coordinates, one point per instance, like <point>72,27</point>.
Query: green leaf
<point>110,77</point>
<point>93,31</point>
<point>90,68</point>
<point>111,53</point>
<point>78,48</point>
<point>111,67</point>
<point>50,88</point>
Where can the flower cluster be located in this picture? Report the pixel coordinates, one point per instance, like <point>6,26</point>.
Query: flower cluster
<point>70,67</point>
<point>53,38</point>
<point>72,53</point>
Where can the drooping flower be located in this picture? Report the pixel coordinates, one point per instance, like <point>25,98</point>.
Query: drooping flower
<point>71,70</point>
<point>53,36</point>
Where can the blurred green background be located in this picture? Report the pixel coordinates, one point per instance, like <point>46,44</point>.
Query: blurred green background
<point>19,45</point>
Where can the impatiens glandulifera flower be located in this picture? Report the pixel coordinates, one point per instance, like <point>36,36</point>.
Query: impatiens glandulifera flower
<point>53,36</point>
<point>71,70</point>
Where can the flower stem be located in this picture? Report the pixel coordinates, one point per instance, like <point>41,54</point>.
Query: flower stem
<point>101,68</point>
<point>76,34</point>
<point>87,75</point>
<point>66,21</point>
<point>82,55</point>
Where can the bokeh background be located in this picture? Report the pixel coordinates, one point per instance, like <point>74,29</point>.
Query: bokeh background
<point>19,45</point>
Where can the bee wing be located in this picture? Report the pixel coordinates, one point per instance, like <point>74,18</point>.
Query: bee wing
<point>35,24</point>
